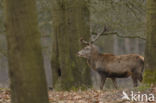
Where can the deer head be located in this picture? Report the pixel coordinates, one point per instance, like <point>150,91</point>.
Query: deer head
<point>90,48</point>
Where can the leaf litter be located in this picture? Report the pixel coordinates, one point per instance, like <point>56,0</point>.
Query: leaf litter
<point>87,96</point>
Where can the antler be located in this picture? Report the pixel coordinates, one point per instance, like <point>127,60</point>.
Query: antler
<point>84,42</point>
<point>93,40</point>
<point>99,34</point>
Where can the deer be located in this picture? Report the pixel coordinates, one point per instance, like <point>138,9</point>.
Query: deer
<point>112,66</point>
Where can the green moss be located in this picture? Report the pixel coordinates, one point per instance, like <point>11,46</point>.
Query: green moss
<point>150,76</point>
<point>82,88</point>
<point>150,51</point>
<point>143,87</point>
<point>70,25</point>
<point>26,69</point>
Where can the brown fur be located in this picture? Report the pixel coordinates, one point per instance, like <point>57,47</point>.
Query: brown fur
<point>112,66</point>
<point>124,66</point>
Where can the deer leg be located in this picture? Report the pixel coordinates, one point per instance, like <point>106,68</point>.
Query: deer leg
<point>135,80</point>
<point>103,79</point>
<point>114,82</point>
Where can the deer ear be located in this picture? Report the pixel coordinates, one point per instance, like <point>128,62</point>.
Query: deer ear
<point>83,41</point>
<point>90,43</point>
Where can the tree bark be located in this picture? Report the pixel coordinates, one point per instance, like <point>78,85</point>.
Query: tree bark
<point>150,50</point>
<point>70,23</point>
<point>116,45</point>
<point>28,83</point>
<point>137,49</point>
<point>127,45</point>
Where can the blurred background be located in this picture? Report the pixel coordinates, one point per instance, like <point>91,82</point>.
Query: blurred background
<point>126,17</point>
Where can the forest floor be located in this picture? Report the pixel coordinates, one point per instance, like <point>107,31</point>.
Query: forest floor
<point>89,96</point>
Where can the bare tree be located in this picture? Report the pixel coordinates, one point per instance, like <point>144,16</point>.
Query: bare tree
<point>70,22</point>
<point>150,51</point>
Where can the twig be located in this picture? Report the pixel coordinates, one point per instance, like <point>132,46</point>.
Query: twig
<point>121,36</point>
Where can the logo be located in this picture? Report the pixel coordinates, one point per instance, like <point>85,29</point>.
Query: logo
<point>125,96</point>
<point>138,97</point>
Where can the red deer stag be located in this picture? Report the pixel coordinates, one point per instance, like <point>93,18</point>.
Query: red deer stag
<point>112,66</point>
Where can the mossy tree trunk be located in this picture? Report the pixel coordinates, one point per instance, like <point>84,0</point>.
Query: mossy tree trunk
<point>28,83</point>
<point>150,52</point>
<point>70,22</point>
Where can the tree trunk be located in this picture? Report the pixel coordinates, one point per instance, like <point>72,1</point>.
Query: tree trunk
<point>70,23</point>
<point>116,45</point>
<point>127,45</point>
<point>137,46</point>
<point>150,51</point>
<point>28,83</point>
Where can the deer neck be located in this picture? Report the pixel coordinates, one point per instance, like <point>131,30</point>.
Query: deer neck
<point>93,58</point>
